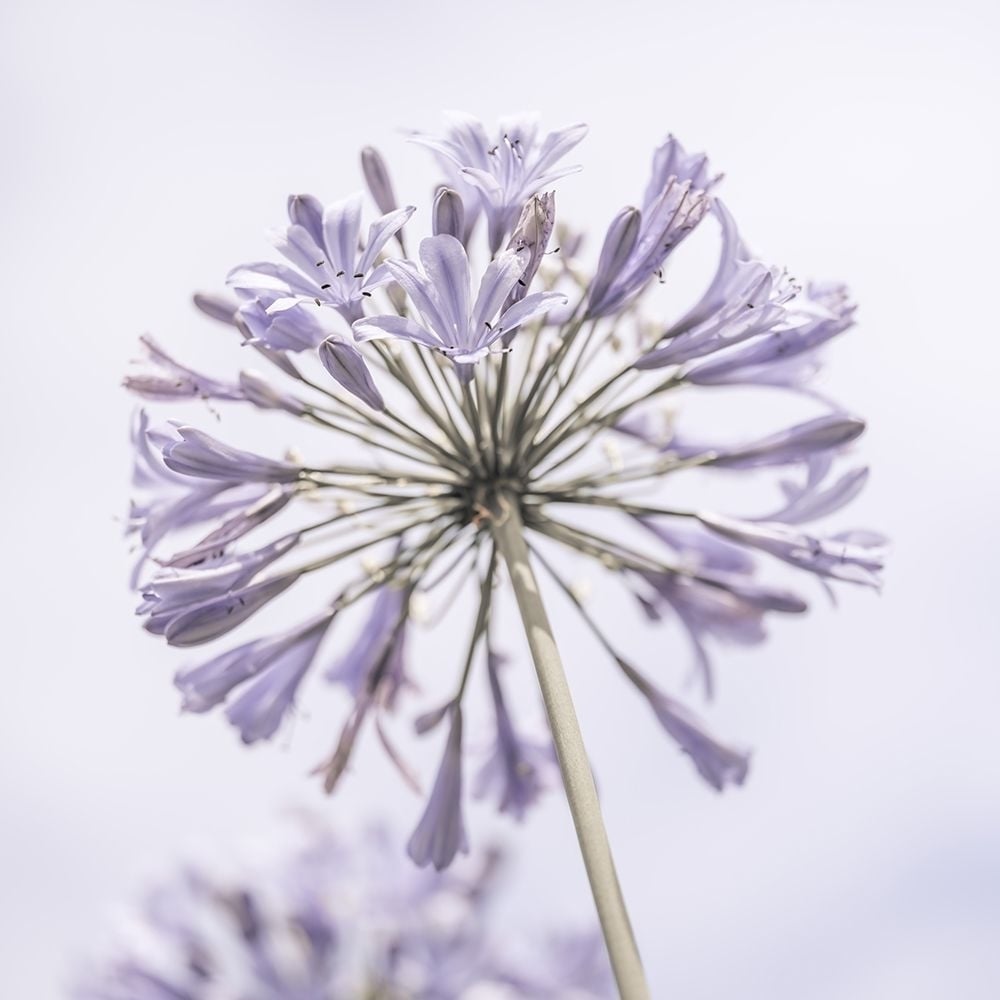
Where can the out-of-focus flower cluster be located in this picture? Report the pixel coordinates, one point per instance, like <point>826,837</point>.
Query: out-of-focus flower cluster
<point>490,370</point>
<point>324,922</point>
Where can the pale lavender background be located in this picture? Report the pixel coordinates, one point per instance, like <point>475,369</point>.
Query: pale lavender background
<point>147,147</point>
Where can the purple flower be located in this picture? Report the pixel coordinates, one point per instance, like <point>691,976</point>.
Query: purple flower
<point>283,304</point>
<point>449,214</point>
<point>262,705</point>
<point>176,381</point>
<point>380,648</point>
<point>813,500</point>
<point>174,502</point>
<point>275,658</point>
<point>717,763</point>
<point>853,556</point>
<point>191,624</point>
<point>327,269</point>
<point>516,772</point>
<point>784,356</point>
<point>194,453</point>
<point>505,170</point>
<point>714,594</point>
<point>316,918</point>
<point>172,591</point>
<point>456,413</point>
<point>745,299</point>
<point>440,834</point>
<point>452,323</point>
<point>799,443</point>
<point>638,244</point>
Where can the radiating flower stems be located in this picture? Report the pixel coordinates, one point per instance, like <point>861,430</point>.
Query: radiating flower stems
<point>581,792</point>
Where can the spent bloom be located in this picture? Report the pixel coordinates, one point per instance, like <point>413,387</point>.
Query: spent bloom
<point>324,920</point>
<point>488,378</point>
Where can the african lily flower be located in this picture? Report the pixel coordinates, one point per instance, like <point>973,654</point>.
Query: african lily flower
<point>494,410</point>
<point>323,919</point>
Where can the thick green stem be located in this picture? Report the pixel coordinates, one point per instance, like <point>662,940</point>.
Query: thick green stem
<point>577,777</point>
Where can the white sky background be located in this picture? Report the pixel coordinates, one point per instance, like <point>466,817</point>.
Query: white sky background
<point>145,154</point>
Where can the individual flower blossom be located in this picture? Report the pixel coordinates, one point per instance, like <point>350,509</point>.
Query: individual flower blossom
<point>813,499</point>
<point>518,770</point>
<point>718,764</point>
<point>478,421</point>
<point>281,302</point>
<point>785,356</point>
<point>503,171</point>
<point>717,596</point>
<point>452,323</point>
<point>171,380</point>
<point>856,556</point>
<point>792,445</point>
<point>440,834</point>
<point>744,299</point>
<point>639,242</point>
<point>322,918</point>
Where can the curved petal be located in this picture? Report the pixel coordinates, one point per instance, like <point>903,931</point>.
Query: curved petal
<point>380,232</point>
<point>347,365</point>
<point>422,294</point>
<point>341,231</point>
<point>557,144</point>
<point>447,266</point>
<point>266,275</point>
<point>378,327</point>
<point>536,304</point>
<point>306,211</point>
<point>500,277</point>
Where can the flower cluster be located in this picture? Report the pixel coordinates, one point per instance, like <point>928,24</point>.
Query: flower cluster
<point>324,922</point>
<point>481,378</point>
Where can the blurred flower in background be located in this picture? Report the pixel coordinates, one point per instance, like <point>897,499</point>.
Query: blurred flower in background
<point>487,381</point>
<point>329,921</point>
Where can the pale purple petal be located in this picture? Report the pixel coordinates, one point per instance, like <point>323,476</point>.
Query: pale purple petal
<point>200,455</point>
<point>440,834</point>
<point>377,327</point>
<point>380,232</point>
<point>717,763</point>
<point>347,365</point>
<point>447,266</point>
<point>215,617</point>
<point>259,710</point>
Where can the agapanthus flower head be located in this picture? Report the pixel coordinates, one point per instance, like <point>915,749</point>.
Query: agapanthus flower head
<point>482,381</point>
<point>325,919</point>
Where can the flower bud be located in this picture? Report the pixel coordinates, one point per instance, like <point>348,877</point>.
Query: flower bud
<point>618,246</point>
<point>449,214</point>
<point>377,179</point>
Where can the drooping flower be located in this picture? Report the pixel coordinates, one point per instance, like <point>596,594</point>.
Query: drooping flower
<point>440,834</point>
<point>517,770</point>
<point>468,410</point>
<point>323,919</point>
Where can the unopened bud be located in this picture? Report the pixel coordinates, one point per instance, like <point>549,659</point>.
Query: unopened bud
<point>449,214</point>
<point>377,178</point>
<point>618,246</point>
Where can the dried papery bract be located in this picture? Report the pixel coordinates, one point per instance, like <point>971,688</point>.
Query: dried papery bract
<point>496,406</point>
